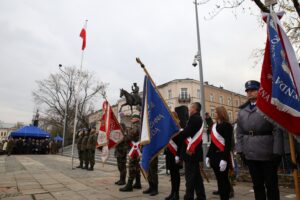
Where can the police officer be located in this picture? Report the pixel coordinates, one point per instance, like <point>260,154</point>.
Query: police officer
<point>91,146</point>
<point>121,155</point>
<point>84,150</point>
<point>259,143</point>
<point>173,163</point>
<point>193,157</point>
<point>153,178</point>
<point>134,157</point>
<point>80,154</point>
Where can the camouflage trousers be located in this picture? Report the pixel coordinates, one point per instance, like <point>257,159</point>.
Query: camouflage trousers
<point>91,156</point>
<point>122,167</point>
<point>134,168</point>
<point>85,156</point>
<point>80,156</point>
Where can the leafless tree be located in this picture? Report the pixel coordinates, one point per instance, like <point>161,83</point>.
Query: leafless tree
<point>56,95</point>
<point>291,22</point>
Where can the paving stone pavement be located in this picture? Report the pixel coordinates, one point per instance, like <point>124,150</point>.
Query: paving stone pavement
<point>48,177</point>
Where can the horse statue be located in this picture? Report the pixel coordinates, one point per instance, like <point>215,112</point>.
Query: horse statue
<point>131,99</point>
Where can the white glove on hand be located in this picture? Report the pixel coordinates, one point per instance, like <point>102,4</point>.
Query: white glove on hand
<point>164,156</point>
<point>223,165</point>
<point>207,162</point>
<point>177,159</point>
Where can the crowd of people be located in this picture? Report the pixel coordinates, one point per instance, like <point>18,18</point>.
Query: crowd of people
<point>29,146</point>
<point>257,142</point>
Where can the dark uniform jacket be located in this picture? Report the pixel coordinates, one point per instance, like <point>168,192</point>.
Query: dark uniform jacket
<point>91,142</point>
<point>79,142</point>
<point>84,143</point>
<point>170,158</point>
<point>193,126</point>
<point>226,131</point>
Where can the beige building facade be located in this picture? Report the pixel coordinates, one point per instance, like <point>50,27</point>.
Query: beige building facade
<point>182,92</point>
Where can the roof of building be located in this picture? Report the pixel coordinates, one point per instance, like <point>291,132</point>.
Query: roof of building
<point>193,80</point>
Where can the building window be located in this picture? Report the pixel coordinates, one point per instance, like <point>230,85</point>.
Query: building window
<point>237,103</point>
<point>198,93</point>
<point>221,100</point>
<point>212,112</point>
<point>211,97</point>
<point>170,94</point>
<point>229,101</point>
<point>230,115</point>
<point>183,93</point>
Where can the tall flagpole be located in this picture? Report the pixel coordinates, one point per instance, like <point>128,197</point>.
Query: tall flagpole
<point>77,100</point>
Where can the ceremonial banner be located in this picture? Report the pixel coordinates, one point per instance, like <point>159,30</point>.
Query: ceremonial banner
<point>158,125</point>
<point>278,96</point>
<point>110,133</point>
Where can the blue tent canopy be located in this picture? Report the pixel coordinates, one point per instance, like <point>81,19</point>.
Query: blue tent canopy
<point>30,131</point>
<point>58,138</point>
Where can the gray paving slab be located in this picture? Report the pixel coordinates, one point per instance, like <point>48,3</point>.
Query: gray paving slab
<point>51,177</point>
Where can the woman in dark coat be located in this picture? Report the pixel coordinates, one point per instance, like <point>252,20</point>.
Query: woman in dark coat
<point>218,156</point>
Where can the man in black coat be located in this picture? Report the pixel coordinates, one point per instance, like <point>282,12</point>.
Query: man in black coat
<point>194,181</point>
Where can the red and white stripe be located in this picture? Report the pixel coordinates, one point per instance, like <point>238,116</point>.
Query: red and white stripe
<point>135,150</point>
<point>217,139</point>
<point>192,143</point>
<point>173,147</point>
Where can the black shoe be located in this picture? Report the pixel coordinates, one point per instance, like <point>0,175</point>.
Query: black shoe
<point>127,188</point>
<point>137,186</point>
<point>170,196</point>
<point>148,191</point>
<point>216,193</point>
<point>154,192</point>
<point>79,166</point>
<point>122,182</point>
<point>91,169</point>
<point>117,182</point>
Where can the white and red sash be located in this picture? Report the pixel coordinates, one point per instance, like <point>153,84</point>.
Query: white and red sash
<point>192,143</point>
<point>135,150</point>
<point>217,139</point>
<point>172,146</point>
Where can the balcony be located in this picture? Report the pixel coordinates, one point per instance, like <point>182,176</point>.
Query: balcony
<point>184,98</point>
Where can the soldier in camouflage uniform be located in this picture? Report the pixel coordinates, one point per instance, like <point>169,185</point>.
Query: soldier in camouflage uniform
<point>84,149</point>
<point>121,155</point>
<point>91,146</point>
<point>134,158</point>
<point>79,142</point>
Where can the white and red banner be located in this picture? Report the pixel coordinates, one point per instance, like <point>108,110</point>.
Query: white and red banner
<point>172,147</point>
<point>192,143</point>
<point>110,133</point>
<point>217,138</point>
<point>135,150</point>
<point>278,97</point>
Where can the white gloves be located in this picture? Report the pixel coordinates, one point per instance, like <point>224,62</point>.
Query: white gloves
<point>207,162</point>
<point>223,165</point>
<point>177,160</point>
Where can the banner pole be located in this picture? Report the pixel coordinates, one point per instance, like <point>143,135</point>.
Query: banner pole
<point>294,164</point>
<point>163,100</point>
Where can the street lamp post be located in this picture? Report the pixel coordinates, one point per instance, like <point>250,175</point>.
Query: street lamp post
<point>65,115</point>
<point>198,58</point>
